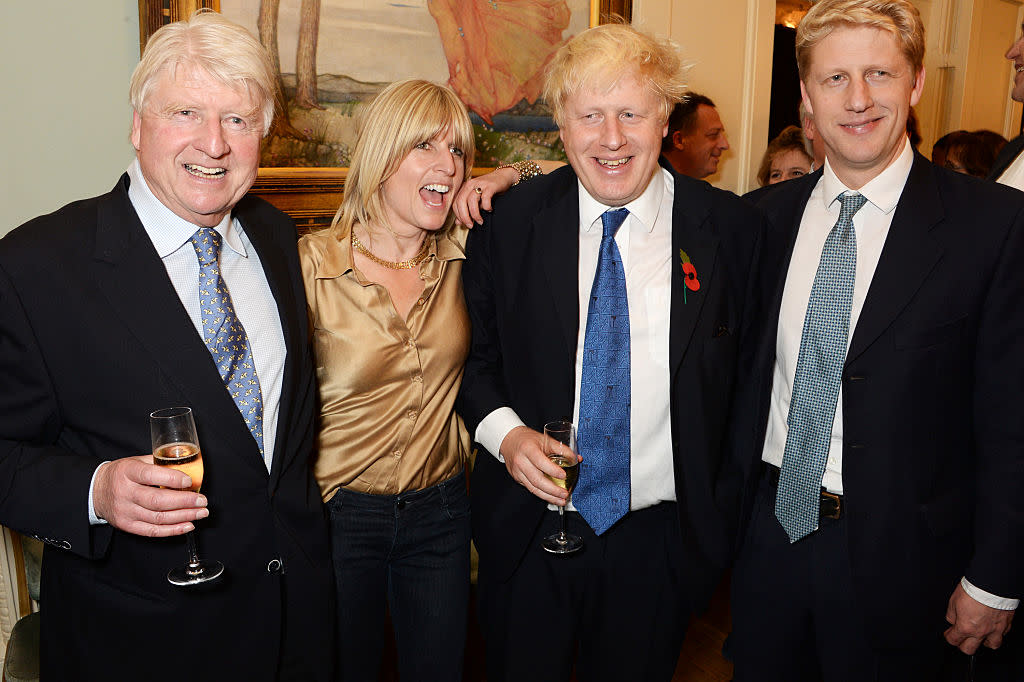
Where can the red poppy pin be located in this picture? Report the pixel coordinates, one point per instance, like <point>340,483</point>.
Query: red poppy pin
<point>689,274</point>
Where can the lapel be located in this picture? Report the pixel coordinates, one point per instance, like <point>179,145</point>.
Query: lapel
<point>130,274</point>
<point>908,256</point>
<point>1006,156</point>
<point>691,209</point>
<point>556,230</point>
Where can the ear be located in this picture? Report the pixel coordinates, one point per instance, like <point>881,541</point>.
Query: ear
<point>136,129</point>
<point>915,94</point>
<point>678,140</point>
<point>806,100</point>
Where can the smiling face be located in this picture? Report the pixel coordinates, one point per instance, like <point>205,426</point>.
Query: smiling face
<point>419,195</point>
<point>613,139</point>
<point>699,151</point>
<point>1016,55</point>
<point>788,164</point>
<point>859,87</point>
<point>198,144</point>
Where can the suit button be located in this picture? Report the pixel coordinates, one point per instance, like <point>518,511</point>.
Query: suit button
<point>274,566</point>
<point>400,505</point>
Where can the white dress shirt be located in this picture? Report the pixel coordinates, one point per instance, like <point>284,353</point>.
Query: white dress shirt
<point>243,274</point>
<point>1014,174</point>
<point>645,243</point>
<point>871,225</point>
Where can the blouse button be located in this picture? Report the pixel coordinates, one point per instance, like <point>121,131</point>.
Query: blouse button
<point>398,453</point>
<point>419,302</point>
<point>411,414</point>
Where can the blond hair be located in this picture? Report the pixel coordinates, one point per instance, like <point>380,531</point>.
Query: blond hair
<point>896,17</point>
<point>208,42</point>
<point>603,55</point>
<point>402,116</point>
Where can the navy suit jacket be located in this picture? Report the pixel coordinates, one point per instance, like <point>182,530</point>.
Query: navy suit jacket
<point>93,337</point>
<point>522,293</point>
<point>933,386</point>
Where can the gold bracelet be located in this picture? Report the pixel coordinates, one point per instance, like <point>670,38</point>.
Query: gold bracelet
<point>526,170</point>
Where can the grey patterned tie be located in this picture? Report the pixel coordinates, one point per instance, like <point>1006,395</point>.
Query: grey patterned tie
<point>812,408</point>
<point>224,335</point>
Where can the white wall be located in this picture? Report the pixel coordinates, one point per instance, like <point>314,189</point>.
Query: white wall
<point>65,116</point>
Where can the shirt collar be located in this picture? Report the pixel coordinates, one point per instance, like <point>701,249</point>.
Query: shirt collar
<point>338,252</point>
<point>644,208</point>
<point>883,190</point>
<point>166,230</point>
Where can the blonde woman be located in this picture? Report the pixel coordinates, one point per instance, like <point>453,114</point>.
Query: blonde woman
<point>391,334</point>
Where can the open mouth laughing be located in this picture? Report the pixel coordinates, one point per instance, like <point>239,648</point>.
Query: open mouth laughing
<point>204,172</point>
<point>433,194</point>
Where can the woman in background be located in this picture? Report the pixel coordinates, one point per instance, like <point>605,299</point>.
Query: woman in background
<point>786,158</point>
<point>391,334</point>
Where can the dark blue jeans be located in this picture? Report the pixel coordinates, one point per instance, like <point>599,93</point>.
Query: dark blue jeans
<point>409,552</point>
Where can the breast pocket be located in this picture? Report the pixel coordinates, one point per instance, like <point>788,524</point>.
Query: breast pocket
<point>906,338</point>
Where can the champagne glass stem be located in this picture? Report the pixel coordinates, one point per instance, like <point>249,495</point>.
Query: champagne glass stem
<point>194,565</point>
<point>561,520</point>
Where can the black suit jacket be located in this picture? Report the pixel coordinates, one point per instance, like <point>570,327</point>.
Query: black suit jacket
<point>933,448</point>
<point>1006,156</point>
<point>522,293</point>
<point>92,338</point>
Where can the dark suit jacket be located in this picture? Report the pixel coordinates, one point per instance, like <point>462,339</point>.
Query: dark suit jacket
<point>1006,156</point>
<point>92,338</point>
<point>933,385</point>
<point>522,293</point>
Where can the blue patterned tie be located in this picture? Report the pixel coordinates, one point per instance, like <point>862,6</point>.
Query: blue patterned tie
<point>602,494</point>
<point>224,335</point>
<point>812,407</point>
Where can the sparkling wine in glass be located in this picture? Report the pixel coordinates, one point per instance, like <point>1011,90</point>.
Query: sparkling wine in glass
<point>560,441</point>
<point>175,445</point>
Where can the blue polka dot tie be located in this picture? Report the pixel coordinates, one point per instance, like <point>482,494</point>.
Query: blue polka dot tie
<point>602,493</point>
<point>812,407</point>
<point>224,335</point>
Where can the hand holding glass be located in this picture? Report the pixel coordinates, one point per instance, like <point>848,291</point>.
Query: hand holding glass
<point>175,445</point>
<point>560,444</point>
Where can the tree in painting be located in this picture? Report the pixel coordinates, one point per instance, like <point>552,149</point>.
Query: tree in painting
<point>305,59</point>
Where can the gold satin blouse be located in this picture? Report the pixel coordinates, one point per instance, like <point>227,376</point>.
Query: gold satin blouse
<point>387,385</point>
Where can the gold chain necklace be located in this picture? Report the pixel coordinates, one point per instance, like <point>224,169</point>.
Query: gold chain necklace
<point>391,265</point>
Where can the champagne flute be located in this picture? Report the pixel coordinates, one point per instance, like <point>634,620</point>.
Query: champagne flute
<point>175,445</point>
<point>560,442</point>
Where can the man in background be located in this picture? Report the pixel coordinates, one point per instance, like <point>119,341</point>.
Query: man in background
<point>173,289</point>
<point>1008,168</point>
<point>696,137</point>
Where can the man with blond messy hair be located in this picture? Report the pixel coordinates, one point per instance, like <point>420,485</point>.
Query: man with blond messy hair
<point>880,424</point>
<point>610,293</point>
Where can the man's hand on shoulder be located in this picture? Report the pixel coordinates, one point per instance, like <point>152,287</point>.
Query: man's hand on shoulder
<point>973,623</point>
<point>528,464</point>
<point>128,496</point>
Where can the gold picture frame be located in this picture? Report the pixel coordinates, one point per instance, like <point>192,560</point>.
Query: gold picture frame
<point>311,195</point>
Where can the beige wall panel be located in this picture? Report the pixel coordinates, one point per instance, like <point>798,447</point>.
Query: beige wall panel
<point>729,44</point>
<point>989,75</point>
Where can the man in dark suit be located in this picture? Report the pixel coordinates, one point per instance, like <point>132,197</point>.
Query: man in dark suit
<point>103,319</point>
<point>1010,153</point>
<point>538,292</point>
<point>880,423</point>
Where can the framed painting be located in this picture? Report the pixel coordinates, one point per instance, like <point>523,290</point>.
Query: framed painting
<point>333,56</point>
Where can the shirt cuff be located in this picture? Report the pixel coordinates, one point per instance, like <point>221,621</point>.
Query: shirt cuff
<point>987,598</point>
<point>493,428</point>
<point>93,519</point>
